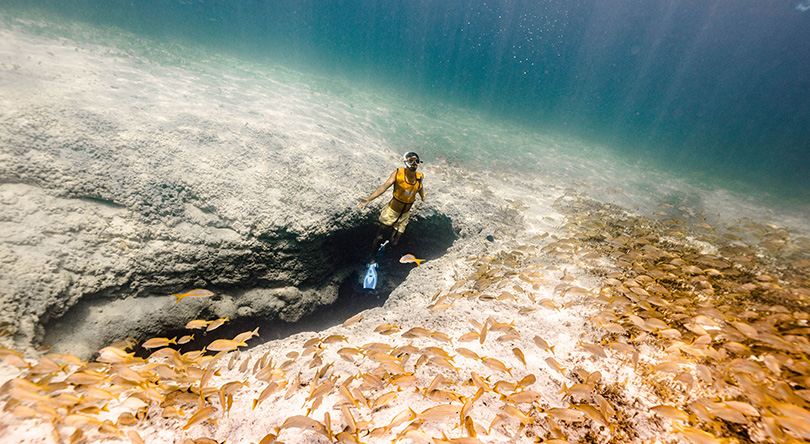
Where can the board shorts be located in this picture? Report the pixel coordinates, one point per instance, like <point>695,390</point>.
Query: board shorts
<point>391,218</point>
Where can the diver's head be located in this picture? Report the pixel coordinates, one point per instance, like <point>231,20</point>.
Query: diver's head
<point>411,160</point>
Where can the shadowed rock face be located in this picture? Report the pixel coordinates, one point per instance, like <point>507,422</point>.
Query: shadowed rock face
<point>279,307</point>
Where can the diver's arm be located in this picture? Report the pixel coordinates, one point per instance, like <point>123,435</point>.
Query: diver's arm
<point>422,193</point>
<point>391,179</point>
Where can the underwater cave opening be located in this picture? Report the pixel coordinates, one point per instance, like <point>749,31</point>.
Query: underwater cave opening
<point>428,237</point>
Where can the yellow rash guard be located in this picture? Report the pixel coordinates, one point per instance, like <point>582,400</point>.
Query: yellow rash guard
<point>404,192</point>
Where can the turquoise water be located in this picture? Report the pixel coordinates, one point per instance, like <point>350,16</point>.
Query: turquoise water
<point>714,92</point>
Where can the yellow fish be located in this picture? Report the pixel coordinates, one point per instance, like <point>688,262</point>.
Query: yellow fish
<point>441,412</point>
<point>269,390</point>
<point>115,355</point>
<point>496,365</point>
<point>241,337</point>
<point>303,422</point>
<point>201,415</point>
<point>185,339</point>
<point>225,345</point>
<point>407,380</point>
<point>410,258</point>
<point>215,324</point>
<point>196,293</point>
<point>352,320</point>
<point>565,414</point>
<point>197,323</point>
<point>158,342</point>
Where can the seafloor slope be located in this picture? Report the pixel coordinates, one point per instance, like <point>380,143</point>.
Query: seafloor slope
<point>611,305</point>
<point>607,327</point>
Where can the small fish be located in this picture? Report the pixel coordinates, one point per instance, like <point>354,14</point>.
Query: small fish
<point>21,394</point>
<point>442,362</point>
<point>196,324</point>
<point>96,394</point>
<point>469,426</point>
<point>555,365</point>
<point>134,437</point>
<point>504,386</point>
<point>380,357</point>
<point>185,339</point>
<point>613,327</point>
<point>467,353</point>
<point>523,396</point>
<point>269,390</point>
<point>482,336</point>
<point>244,365</point>
<point>516,413</point>
<point>519,354</point>
<point>348,353</point>
<point>201,415</point>
<point>321,390</point>
<point>244,336</point>
<point>346,438</point>
<point>303,422</point>
<point>593,413</point>
<point>670,412</point>
<point>479,381</point>
<point>372,380</point>
<point>115,355</point>
<point>347,394</point>
<point>435,383</point>
<point>405,381</point>
<point>540,342</point>
<point>386,329</point>
<point>217,323</point>
<point>468,337</point>
<point>384,399</point>
<point>352,320</point>
<point>171,412</point>
<point>225,345</point>
<point>593,349</point>
<point>441,336</point>
<point>410,258</point>
<point>581,390</point>
<point>347,415</point>
<point>566,414</point>
<point>499,419</point>
<point>527,381</point>
<point>312,342</point>
<point>331,339</point>
<point>159,342</point>
<point>496,365</point>
<point>441,412</point>
<point>196,293</point>
<point>417,332</point>
<point>507,337</point>
<point>23,411</point>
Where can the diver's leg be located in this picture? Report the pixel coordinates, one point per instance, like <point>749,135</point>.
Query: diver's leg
<point>399,227</point>
<point>395,237</point>
<point>382,233</point>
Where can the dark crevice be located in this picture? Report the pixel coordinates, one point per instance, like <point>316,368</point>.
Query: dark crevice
<point>339,256</point>
<point>427,238</point>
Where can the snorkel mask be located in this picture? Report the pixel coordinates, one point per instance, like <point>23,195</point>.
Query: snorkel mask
<point>411,165</point>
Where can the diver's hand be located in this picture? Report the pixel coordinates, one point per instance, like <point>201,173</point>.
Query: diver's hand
<point>362,204</point>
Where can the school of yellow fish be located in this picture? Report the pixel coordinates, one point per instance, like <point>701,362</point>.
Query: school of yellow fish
<point>713,325</point>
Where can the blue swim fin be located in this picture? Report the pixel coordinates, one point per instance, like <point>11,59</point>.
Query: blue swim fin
<point>370,279</point>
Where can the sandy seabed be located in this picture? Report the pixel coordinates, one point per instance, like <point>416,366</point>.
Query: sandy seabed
<point>580,321</point>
